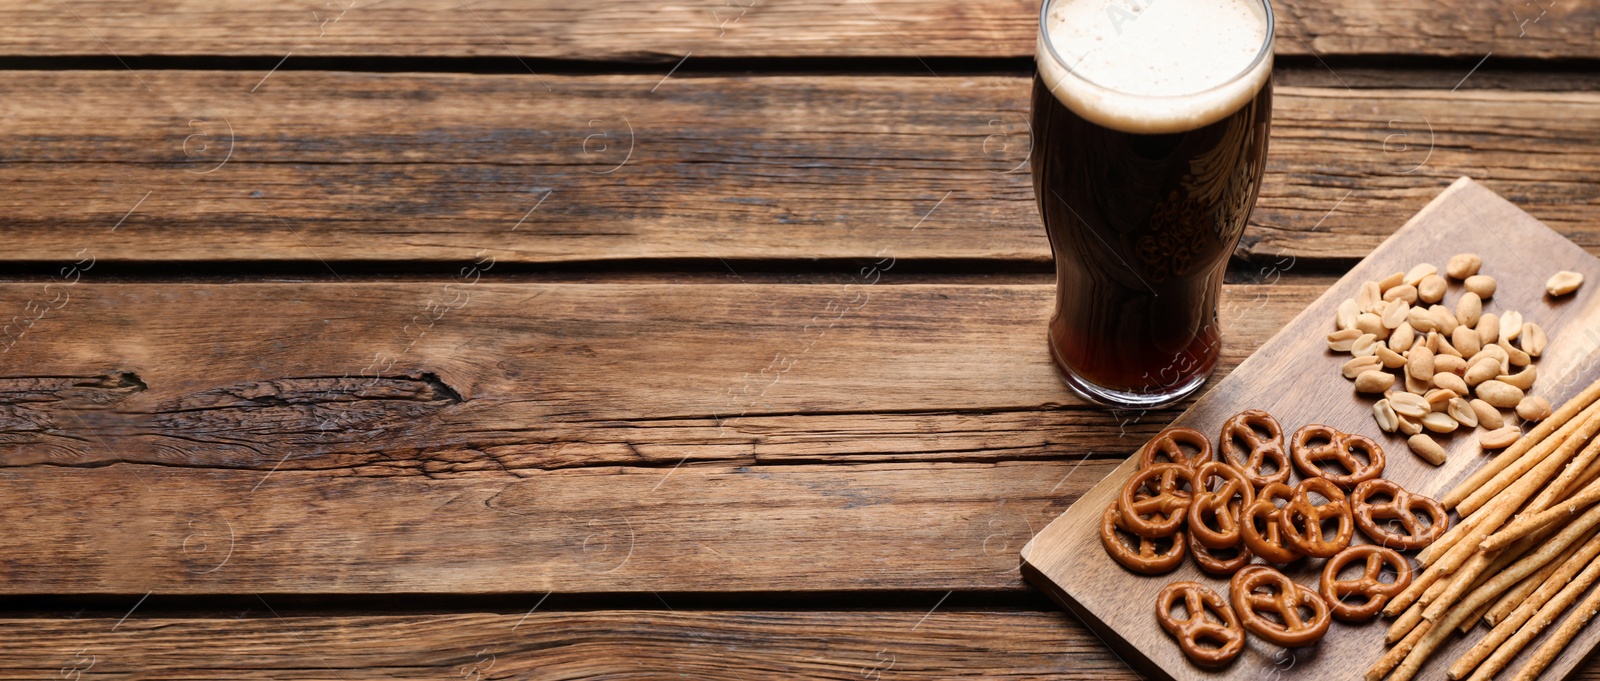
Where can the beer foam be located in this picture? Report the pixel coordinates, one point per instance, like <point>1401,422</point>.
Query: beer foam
<point>1155,66</point>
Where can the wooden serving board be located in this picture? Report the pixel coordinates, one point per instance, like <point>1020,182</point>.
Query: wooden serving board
<point>1296,378</point>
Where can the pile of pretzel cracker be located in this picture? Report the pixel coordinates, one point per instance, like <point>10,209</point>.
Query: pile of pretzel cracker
<point>1227,511</point>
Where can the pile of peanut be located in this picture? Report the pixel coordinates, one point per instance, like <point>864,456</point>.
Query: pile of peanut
<point>1437,368</point>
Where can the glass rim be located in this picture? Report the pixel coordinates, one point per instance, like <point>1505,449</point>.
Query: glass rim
<point>1261,53</point>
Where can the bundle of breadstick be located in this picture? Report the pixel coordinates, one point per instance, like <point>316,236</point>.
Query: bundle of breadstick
<point>1523,553</point>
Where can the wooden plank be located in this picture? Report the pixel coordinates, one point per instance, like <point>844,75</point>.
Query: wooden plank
<point>621,30</point>
<point>1294,377</point>
<point>435,168</point>
<point>716,644</point>
<point>510,379</point>
<point>692,529</point>
<point>234,438</point>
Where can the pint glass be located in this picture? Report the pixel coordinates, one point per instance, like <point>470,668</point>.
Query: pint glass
<point>1149,123</point>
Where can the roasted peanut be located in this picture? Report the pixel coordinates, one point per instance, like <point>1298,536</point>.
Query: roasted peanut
<point>1409,426</point>
<point>1444,318</point>
<point>1510,325</point>
<point>1438,399</point>
<point>1488,416</point>
<point>1469,307</point>
<point>1374,381</point>
<point>1391,281</point>
<point>1488,328</point>
<point>1481,369</point>
<point>1393,360</point>
<point>1451,382</point>
<point>1345,316</point>
<point>1514,355</point>
<point>1499,394</point>
<point>1533,408</point>
<point>1404,292</point>
<point>1365,346</point>
<point>1563,282</point>
<point>1424,446</point>
<point>1465,340</point>
<point>1387,420</point>
<point>1419,364</point>
<point>1340,341</point>
<point>1368,295</point>
<point>1416,387</point>
<point>1418,272</point>
<point>1522,379</point>
<point>1355,367</point>
<point>1402,337</point>
<point>1450,363</point>
<point>1463,265</point>
<point>1368,322</point>
<point>1420,320</point>
<point>1438,342</point>
<point>1481,284</point>
<point>1462,412</point>
<point>1499,438</point>
<point>1407,404</point>
<point>1439,422</point>
<point>1533,339</point>
<point>1499,353</point>
<point>1394,314</point>
<point>1431,289</point>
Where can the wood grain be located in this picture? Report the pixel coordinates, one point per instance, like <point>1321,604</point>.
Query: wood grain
<point>724,171</point>
<point>497,381</point>
<point>840,645</point>
<point>133,530</point>
<point>613,644</point>
<point>633,31</point>
<point>1295,377</point>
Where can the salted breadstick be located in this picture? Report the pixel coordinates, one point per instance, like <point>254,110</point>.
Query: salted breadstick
<point>1536,455</point>
<point>1463,581</point>
<point>1528,525</point>
<point>1412,594</point>
<point>1505,504</point>
<point>1405,624</point>
<point>1519,593</point>
<point>1515,552</point>
<point>1430,641</point>
<point>1569,536</point>
<point>1551,649</point>
<point>1465,550</point>
<point>1537,624</point>
<point>1564,570</point>
<point>1479,569</point>
<point>1447,541</point>
<point>1499,563</point>
<point>1494,515</point>
<point>1489,591</point>
<point>1423,590</point>
<point>1589,475</point>
<point>1387,663</point>
<point>1557,488</point>
<point>1473,619</point>
<point>1572,407</point>
<point>1413,615</point>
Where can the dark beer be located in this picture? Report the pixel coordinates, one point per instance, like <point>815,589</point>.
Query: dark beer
<point>1145,190</point>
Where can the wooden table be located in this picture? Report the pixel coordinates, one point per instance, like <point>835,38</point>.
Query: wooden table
<point>429,339</point>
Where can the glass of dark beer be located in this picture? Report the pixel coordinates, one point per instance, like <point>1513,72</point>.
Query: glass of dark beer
<point>1150,124</point>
